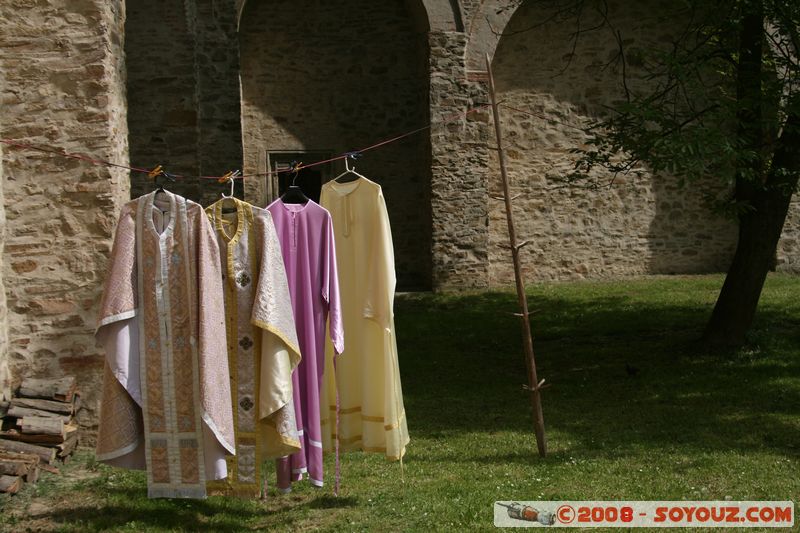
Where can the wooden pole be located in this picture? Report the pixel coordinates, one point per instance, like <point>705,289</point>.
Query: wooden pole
<point>534,386</point>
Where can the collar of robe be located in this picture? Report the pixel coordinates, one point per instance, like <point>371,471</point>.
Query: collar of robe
<point>153,204</point>
<point>218,220</point>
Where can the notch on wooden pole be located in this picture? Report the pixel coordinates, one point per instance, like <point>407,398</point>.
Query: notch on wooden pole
<point>534,385</point>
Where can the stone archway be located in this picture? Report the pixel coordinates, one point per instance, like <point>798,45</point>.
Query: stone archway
<point>347,76</point>
<point>440,15</point>
<point>485,27</point>
<point>638,223</point>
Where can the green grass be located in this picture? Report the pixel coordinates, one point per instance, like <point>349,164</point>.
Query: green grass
<point>687,426</point>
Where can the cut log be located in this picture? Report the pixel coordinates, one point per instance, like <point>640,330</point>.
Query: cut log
<point>14,468</point>
<point>66,449</point>
<point>24,457</point>
<point>21,412</point>
<point>33,475</point>
<point>44,440</point>
<point>10,484</point>
<point>4,408</point>
<point>71,435</point>
<point>47,455</point>
<point>37,425</point>
<point>45,405</point>
<point>50,468</point>
<point>31,463</point>
<point>76,402</point>
<point>62,389</point>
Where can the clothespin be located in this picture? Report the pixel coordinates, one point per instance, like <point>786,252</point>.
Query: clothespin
<point>294,168</point>
<point>153,174</point>
<point>229,176</point>
<point>353,155</point>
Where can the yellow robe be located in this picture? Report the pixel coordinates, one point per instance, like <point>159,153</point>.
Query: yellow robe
<point>262,344</point>
<point>372,416</point>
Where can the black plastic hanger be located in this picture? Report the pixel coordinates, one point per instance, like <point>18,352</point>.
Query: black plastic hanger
<point>294,194</point>
<point>160,176</point>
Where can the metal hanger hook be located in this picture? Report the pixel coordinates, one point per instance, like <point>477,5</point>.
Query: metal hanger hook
<point>229,177</point>
<point>295,166</point>
<point>353,156</point>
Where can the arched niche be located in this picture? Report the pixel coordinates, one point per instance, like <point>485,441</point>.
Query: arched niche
<point>485,27</point>
<point>551,87</point>
<point>431,15</point>
<point>339,77</point>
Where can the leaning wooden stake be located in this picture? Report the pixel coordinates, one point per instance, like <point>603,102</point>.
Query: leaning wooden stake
<point>534,385</point>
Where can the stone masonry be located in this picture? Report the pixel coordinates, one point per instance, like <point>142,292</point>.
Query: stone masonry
<point>788,255</point>
<point>63,86</point>
<point>5,373</point>
<point>337,88</point>
<point>183,92</point>
<point>207,86</point>
<point>633,224</point>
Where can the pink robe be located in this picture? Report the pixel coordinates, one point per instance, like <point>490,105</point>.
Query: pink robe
<point>305,232</point>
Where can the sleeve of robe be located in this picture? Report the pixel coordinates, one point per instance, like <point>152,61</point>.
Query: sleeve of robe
<point>379,306</point>
<point>120,434</point>
<point>280,352</point>
<point>381,280</point>
<point>212,350</point>
<point>330,289</point>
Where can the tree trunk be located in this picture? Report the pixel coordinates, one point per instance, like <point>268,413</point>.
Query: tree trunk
<point>759,231</point>
<point>737,301</point>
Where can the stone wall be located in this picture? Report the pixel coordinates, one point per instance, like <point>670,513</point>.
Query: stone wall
<point>5,374</point>
<point>353,73</point>
<point>162,97</point>
<point>633,225</point>
<point>337,83</point>
<point>218,93</point>
<point>789,245</point>
<point>64,86</point>
<point>183,89</point>
<point>460,172</point>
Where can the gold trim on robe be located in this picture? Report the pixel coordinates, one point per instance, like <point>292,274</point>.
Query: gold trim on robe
<point>166,404</point>
<point>261,341</point>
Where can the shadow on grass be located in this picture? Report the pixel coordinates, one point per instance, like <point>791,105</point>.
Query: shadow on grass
<point>626,372</point>
<point>129,507</point>
<point>327,501</point>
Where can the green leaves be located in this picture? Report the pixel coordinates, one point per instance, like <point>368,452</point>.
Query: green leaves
<point>685,121</point>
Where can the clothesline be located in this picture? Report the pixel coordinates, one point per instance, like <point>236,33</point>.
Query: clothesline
<point>96,161</point>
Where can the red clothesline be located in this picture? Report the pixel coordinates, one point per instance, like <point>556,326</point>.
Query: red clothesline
<point>95,161</point>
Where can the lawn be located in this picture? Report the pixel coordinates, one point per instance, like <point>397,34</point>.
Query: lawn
<point>635,411</point>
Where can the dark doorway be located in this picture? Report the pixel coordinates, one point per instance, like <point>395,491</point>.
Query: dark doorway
<point>309,179</point>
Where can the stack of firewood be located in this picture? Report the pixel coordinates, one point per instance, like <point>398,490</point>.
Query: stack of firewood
<point>38,427</point>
